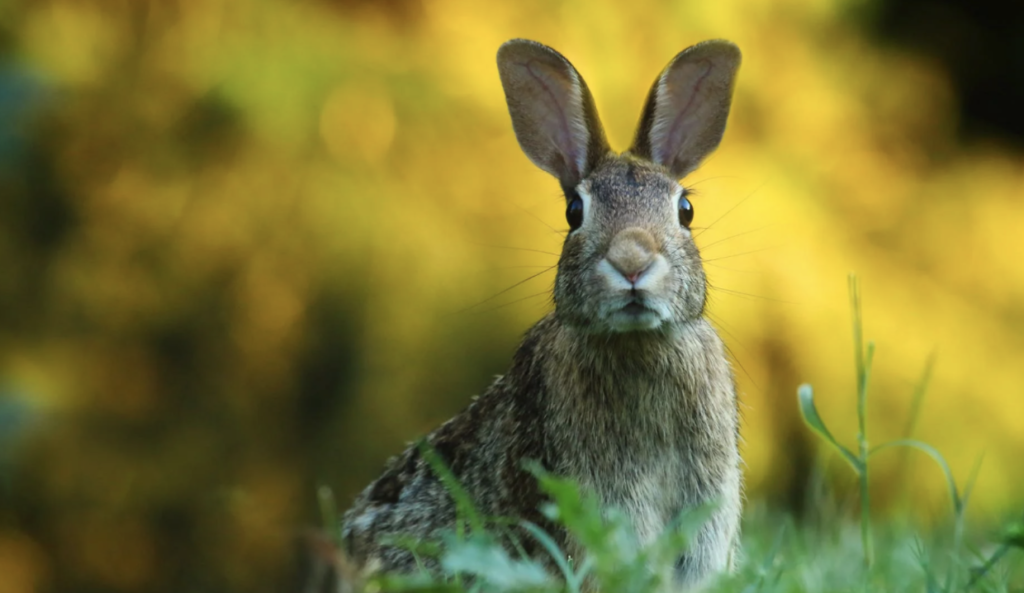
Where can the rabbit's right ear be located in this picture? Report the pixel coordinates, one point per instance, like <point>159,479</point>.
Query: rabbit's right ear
<point>553,113</point>
<point>684,118</point>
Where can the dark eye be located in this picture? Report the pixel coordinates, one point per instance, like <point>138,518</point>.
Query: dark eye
<point>574,212</point>
<point>685,211</point>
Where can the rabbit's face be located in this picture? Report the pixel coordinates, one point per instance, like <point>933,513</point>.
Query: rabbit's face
<point>630,265</point>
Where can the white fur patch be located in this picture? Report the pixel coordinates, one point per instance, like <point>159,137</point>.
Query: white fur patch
<point>577,125</point>
<point>613,279</point>
<point>583,191</point>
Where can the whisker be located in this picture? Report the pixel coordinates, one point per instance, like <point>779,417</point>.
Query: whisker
<point>742,368</point>
<point>749,295</point>
<point>722,327</point>
<point>720,267</point>
<point>519,300</point>
<point>725,327</point>
<point>744,253</point>
<point>541,220</point>
<point>502,268</point>
<point>713,243</point>
<point>696,183</point>
<point>492,297</point>
<point>737,205</point>
<point>517,249</point>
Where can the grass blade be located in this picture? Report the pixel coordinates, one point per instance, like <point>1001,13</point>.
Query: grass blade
<point>912,418</point>
<point>463,502</point>
<point>809,411</point>
<point>862,360</point>
<point>573,581</point>
<point>483,557</point>
<point>932,452</point>
<point>980,572</point>
<point>918,397</point>
<point>329,513</point>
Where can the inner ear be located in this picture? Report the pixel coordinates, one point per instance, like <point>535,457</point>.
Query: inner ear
<point>687,107</point>
<point>553,112</point>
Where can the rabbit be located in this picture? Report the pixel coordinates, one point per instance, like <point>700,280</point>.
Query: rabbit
<point>625,387</point>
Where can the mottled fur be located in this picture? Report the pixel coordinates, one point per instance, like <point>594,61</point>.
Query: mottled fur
<point>625,387</point>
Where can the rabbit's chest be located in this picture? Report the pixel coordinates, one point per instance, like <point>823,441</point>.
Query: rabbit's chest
<point>650,492</point>
<point>647,452</point>
<point>649,426</point>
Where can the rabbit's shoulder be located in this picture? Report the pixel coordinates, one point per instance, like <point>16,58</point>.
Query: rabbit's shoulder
<point>483,444</point>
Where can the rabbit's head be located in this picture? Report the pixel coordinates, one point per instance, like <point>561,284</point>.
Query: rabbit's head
<point>629,262</point>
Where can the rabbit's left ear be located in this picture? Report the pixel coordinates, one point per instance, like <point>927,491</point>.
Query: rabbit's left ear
<point>552,111</point>
<point>684,117</point>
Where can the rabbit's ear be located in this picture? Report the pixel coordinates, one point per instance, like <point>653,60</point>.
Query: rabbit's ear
<point>684,118</point>
<point>552,110</point>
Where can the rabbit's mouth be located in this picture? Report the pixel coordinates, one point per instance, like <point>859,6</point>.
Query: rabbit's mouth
<point>635,308</point>
<point>635,315</point>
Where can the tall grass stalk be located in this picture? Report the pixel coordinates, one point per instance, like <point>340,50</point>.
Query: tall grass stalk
<point>913,416</point>
<point>863,361</point>
<point>329,513</point>
<point>863,357</point>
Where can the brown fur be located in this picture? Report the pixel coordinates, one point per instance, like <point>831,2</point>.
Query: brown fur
<point>625,387</point>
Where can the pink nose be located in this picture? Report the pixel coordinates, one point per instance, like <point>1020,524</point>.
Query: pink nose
<point>632,251</point>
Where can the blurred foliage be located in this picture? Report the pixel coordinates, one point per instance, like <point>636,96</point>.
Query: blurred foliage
<point>247,248</point>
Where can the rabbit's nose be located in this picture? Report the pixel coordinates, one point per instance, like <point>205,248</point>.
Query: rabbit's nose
<point>632,252</point>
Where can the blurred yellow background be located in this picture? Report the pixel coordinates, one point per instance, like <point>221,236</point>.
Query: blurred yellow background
<point>247,248</point>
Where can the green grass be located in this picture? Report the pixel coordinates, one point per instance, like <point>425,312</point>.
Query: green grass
<point>824,551</point>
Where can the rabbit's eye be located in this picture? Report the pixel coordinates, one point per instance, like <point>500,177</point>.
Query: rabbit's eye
<point>574,213</point>
<point>685,211</point>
